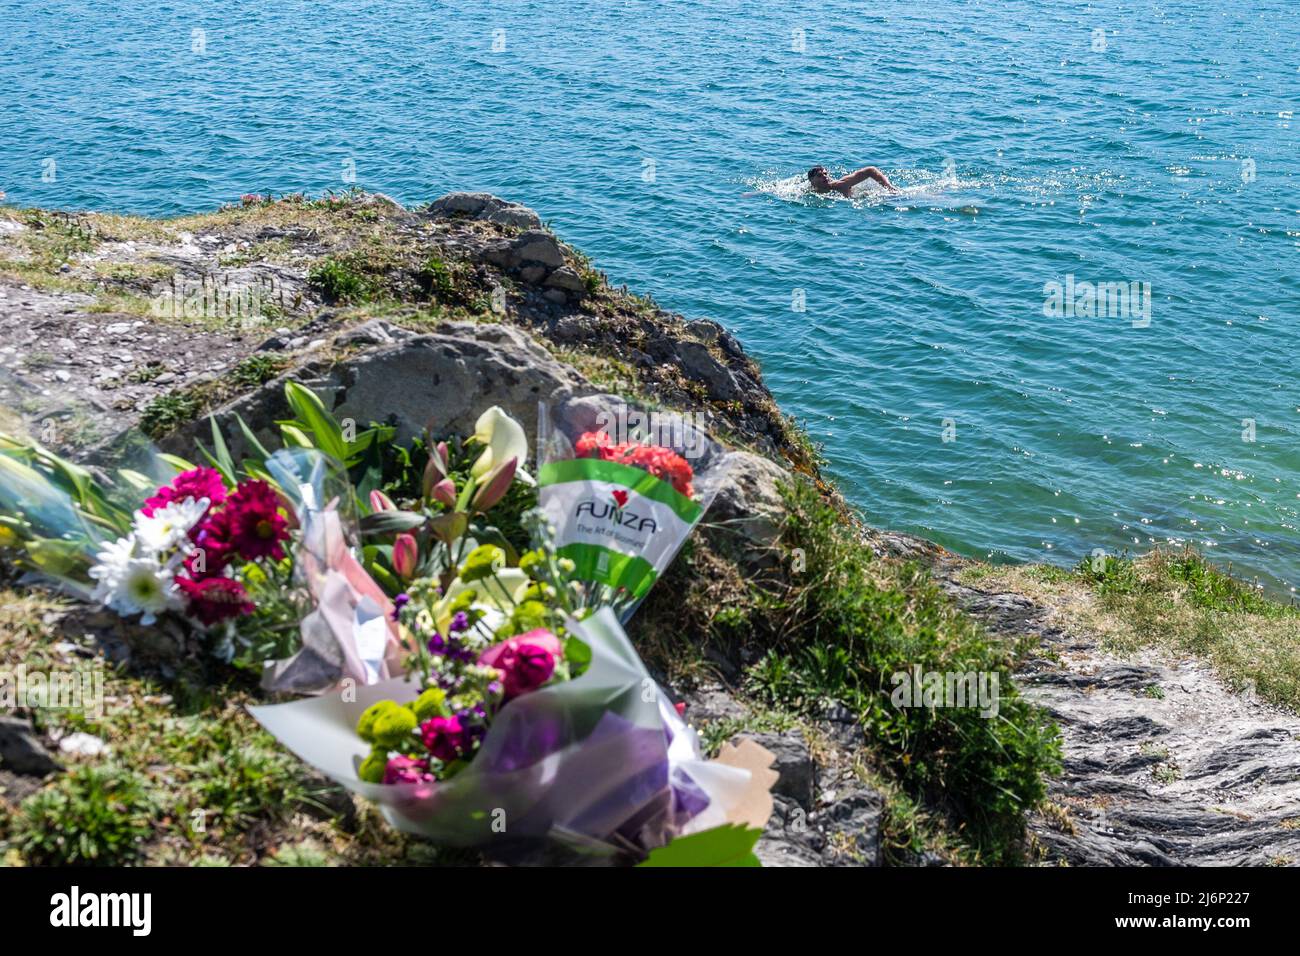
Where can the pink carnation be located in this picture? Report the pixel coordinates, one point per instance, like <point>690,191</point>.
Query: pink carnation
<point>196,483</point>
<point>407,770</point>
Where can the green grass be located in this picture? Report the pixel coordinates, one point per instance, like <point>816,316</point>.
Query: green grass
<point>166,413</point>
<point>848,622</point>
<point>832,624</point>
<point>257,370</point>
<point>337,281</point>
<point>1176,601</point>
<point>93,816</point>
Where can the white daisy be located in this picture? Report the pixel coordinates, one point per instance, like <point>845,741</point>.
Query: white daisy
<point>170,525</point>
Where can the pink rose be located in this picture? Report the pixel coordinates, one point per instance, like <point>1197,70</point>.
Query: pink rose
<point>526,662</point>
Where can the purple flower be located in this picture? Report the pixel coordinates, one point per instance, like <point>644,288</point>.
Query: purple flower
<point>459,622</point>
<point>444,737</point>
<point>400,602</point>
<point>437,644</point>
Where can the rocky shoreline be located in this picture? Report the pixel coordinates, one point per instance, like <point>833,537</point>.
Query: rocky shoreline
<point>113,324</point>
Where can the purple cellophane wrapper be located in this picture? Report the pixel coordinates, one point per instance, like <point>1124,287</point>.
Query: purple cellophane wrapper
<point>602,761</point>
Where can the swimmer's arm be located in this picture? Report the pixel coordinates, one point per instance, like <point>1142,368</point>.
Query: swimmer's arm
<point>863,174</point>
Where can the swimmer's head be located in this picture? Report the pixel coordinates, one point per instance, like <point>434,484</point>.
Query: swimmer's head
<point>819,179</point>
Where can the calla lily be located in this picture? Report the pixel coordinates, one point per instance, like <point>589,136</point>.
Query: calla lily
<point>406,556</point>
<point>496,595</point>
<point>495,485</point>
<point>504,438</point>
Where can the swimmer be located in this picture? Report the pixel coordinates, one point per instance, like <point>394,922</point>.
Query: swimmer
<point>821,181</point>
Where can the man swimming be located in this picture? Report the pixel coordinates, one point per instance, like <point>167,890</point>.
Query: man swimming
<point>821,181</point>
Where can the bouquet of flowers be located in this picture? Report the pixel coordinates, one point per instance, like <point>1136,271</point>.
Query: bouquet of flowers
<point>184,546</point>
<point>623,488</point>
<point>508,748</point>
<point>467,675</point>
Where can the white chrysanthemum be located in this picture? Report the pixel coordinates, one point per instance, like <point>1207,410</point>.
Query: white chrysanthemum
<point>110,565</point>
<point>170,525</point>
<point>132,581</point>
<point>146,588</point>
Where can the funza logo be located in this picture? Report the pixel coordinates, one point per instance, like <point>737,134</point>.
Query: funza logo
<point>75,909</point>
<point>616,512</point>
<point>1102,300</point>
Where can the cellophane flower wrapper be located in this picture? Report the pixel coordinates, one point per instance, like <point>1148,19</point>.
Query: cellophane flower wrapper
<point>619,524</point>
<point>348,633</point>
<point>601,764</point>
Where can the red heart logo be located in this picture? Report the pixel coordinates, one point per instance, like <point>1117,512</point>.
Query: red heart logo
<point>620,497</point>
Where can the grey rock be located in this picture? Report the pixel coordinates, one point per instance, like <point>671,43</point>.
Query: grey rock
<point>858,815</point>
<point>532,248</point>
<point>1194,775</point>
<point>81,744</point>
<point>748,506</point>
<point>443,380</point>
<point>699,363</point>
<point>20,750</point>
<point>374,332</point>
<point>532,274</point>
<point>538,246</point>
<point>486,207</point>
<point>794,763</point>
<point>566,278</point>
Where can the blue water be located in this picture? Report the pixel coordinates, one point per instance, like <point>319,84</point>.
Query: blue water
<point>665,140</point>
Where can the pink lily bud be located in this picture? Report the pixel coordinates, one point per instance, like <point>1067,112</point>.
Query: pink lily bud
<point>406,555</point>
<point>381,502</point>
<point>444,491</point>
<point>496,485</point>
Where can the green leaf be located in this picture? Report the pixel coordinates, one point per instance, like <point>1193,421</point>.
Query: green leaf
<point>388,522</point>
<point>251,439</point>
<point>490,534</point>
<point>312,415</point>
<point>224,463</point>
<point>727,845</point>
<point>578,654</point>
<point>294,437</point>
<point>177,462</point>
<point>139,483</point>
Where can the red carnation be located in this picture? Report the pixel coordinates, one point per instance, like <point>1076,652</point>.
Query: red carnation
<point>664,463</point>
<point>215,599</point>
<point>252,522</point>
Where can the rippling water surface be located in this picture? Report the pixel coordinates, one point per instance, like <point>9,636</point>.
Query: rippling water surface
<point>1112,142</point>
